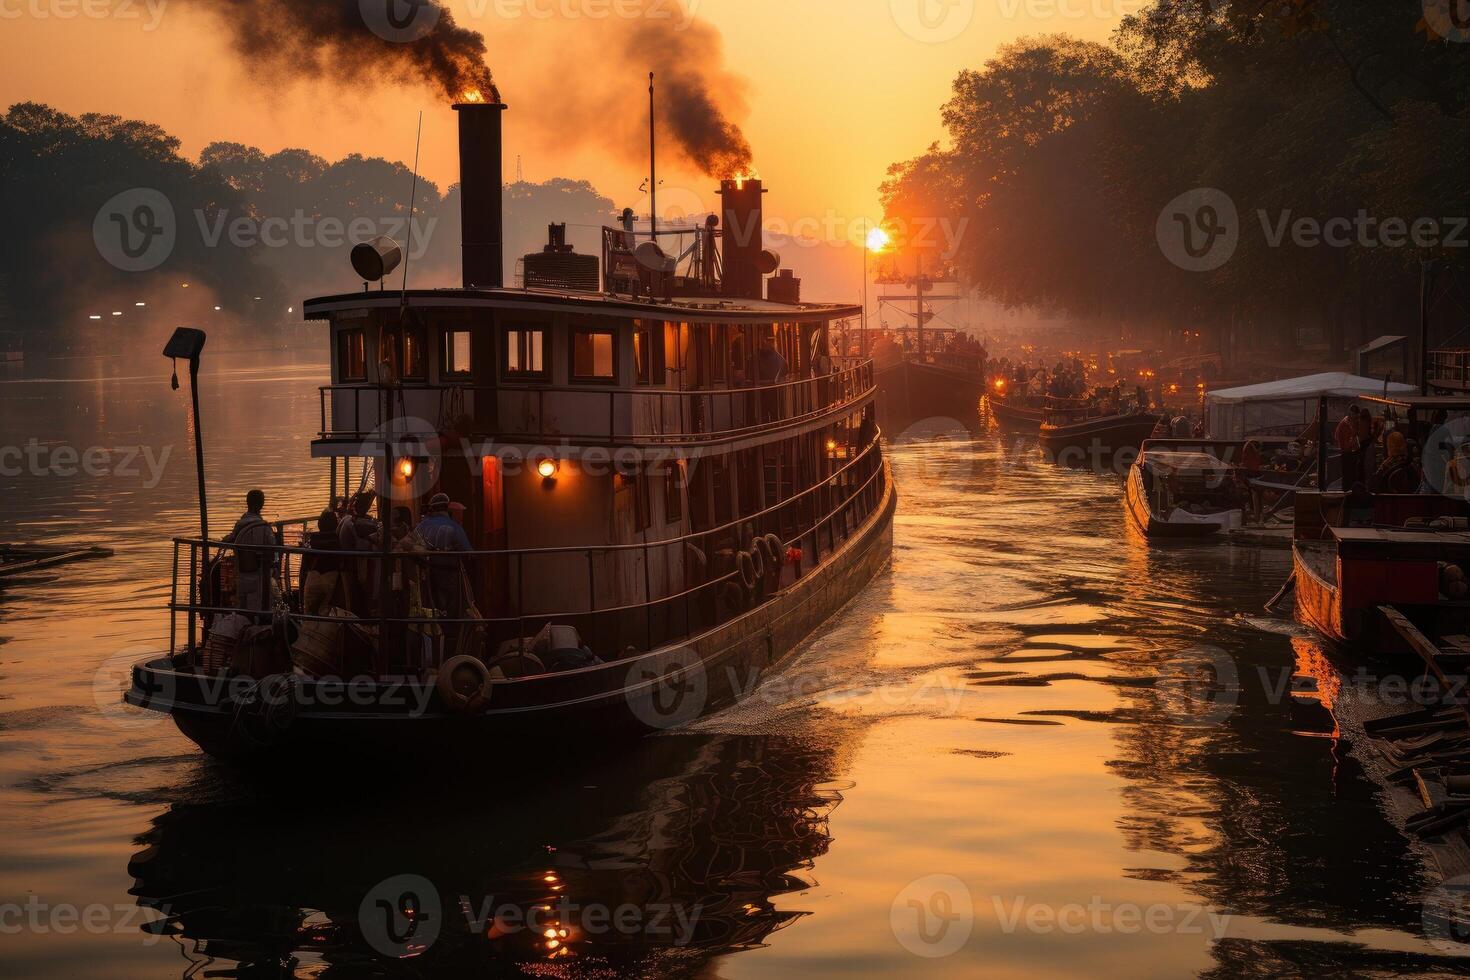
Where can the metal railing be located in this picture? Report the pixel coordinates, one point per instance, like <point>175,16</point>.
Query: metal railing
<point>514,413</point>
<point>1450,368</point>
<point>681,587</point>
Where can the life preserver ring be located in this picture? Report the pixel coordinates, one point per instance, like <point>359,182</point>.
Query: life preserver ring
<point>775,549</point>
<point>464,685</point>
<point>749,574</point>
<point>758,558</point>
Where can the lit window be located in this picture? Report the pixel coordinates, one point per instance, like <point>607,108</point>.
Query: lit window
<point>592,356</point>
<point>352,356</point>
<point>413,354</point>
<point>525,352</point>
<point>457,352</point>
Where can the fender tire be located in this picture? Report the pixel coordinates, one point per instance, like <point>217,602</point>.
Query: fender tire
<point>748,571</point>
<point>464,685</point>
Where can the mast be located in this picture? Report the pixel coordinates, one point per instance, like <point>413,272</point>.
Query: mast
<point>919,304</point>
<point>652,164</point>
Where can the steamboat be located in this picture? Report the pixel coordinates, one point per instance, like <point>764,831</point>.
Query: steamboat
<point>667,482</point>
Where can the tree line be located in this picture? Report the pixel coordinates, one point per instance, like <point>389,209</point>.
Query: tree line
<point>1236,168</point>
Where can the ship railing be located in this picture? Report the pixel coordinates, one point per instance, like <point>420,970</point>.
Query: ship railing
<point>597,415</point>
<point>1450,368</point>
<point>624,598</point>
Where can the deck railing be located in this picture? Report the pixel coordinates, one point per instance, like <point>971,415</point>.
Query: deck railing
<point>596,415</point>
<point>1450,368</point>
<point>625,597</point>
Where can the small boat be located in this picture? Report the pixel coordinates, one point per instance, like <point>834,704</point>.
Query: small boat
<point>1021,413</point>
<point>1174,492</point>
<point>1082,436</point>
<point>940,385</point>
<point>17,560</point>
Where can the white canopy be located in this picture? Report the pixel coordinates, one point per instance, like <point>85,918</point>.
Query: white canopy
<point>1278,406</point>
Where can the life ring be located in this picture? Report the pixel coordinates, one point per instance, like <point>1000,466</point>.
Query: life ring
<point>748,572</point>
<point>464,685</point>
<point>775,549</point>
<point>758,557</point>
<point>758,544</point>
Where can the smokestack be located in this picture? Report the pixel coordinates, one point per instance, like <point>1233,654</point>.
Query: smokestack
<point>744,238</point>
<point>480,180</point>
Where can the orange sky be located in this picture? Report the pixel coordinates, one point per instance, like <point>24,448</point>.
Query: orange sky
<point>836,91</point>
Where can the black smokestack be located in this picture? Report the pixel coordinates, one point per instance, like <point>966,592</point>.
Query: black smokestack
<point>743,238</point>
<point>359,40</point>
<point>480,180</point>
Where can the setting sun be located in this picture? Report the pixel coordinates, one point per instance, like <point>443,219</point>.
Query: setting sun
<point>878,240</point>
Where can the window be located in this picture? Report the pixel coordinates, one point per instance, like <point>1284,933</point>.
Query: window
<point>525,353</point>
<point>648,351</point>
<point>413,354</point>
<point>457,352</point>
<point>592,356</point>
<point>673,492</point>
<point>352,356</point>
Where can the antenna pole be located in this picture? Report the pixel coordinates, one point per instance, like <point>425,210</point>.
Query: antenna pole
<point>652,163</point>
<point>412,200</point>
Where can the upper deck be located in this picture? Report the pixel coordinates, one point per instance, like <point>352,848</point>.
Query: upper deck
<point>559,367</point>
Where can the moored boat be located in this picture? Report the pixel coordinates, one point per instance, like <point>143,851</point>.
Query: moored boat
<point>650,532</point>
<point>1022,414</point>
<point>1177,491</point>
<point>1090,436</point>
<point>931,388</point>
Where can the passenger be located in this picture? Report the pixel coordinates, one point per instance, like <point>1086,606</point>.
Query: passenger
<point>447,577</point>
<point>1457,473</point>
<point>1396,475</point>
<point>362,505</point>
<point>771,368</point>
<point>1346,437</point>
<point>321,574</point>
<point>1250,457</point>
<point>254,584</point>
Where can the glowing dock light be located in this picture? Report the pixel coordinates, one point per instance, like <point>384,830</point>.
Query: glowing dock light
<point>406,468</point>
<point>547,469</point>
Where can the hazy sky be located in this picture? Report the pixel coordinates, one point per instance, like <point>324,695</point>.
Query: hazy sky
<point>835,90</point>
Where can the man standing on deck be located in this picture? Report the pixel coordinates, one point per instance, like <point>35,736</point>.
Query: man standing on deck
<point>447,577</point>
<point>771,368</point>
<point>253,589</point>
<point>1350,447</point>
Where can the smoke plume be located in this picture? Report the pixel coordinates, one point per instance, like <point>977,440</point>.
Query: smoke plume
<point>359,42</point>
<point>356,43</point>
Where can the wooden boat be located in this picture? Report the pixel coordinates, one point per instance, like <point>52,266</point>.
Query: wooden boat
<point>939,385</point>
<point>1344,573</point>
<point>1082,436</point>
<point>651,533</point>
<point>1180,492</point>
<point>24,560</point>
<point>1021,414</point>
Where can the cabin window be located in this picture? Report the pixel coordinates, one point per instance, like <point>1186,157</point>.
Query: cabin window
<point>592,356</point>
<point>673,492</point>
<point>413,355</point>
<point>648,352</point>
<point>457,356</point>
<point>525,353</point>
<point>352,355</point>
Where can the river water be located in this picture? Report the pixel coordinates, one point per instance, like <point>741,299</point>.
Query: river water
<point>1035,746</point>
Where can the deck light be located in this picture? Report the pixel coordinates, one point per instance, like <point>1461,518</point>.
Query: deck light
<point>547,468</point>
<point>1000,384</point>
<point>406,468</point>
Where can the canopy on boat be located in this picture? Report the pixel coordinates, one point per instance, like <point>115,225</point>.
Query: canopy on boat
<point>1165,463</point>
<point>1279,407</point>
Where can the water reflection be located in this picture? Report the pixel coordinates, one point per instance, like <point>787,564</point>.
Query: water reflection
<point>676,854</point>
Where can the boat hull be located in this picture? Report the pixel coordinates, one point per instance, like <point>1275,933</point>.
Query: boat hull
<point>1135,499</point>
<point>1097,442</point>
<point>912,395</point>
<point>660,690</point>
<point>1318,598</point>
<point>1014,418</point>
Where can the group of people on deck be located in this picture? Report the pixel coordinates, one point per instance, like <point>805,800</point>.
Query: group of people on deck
<point>1359,436</point>
<point>426,576</point>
